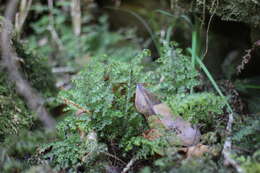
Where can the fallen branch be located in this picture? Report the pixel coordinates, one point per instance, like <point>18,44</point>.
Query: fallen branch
<point>114,157</point>
<point>228,160</point>
<point>129,165</point>
<point>33,100</point>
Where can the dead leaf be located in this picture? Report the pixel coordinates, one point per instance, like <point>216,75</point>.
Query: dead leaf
<point>144,100</point>
<point>147,104</point>
<point>152,134</point>
<point>196,151</point>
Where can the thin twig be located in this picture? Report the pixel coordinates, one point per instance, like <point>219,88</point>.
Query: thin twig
<point>55,37</point>
<point>75,13</point>
<point>32,98</point>
<point>129,165</point>
<point>208,27</point>
<point>228,160</point>
<point>69,102</point>
<point>65,69</point>
<point>51,28</point>
<point>203,14</point>
<point>21,16</point>
<point>113,156</point>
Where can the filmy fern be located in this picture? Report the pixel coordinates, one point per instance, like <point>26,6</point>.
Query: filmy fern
<point>105,91</point>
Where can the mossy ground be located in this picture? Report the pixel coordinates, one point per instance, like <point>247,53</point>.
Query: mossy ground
<point>100,129</point>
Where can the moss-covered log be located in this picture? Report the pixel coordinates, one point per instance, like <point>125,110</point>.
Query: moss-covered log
<point>14,114</point>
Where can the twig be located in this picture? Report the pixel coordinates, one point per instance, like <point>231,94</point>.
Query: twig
<point>129,165</point>
<point>65,69</point>
<point>51,28</point>
<point>69,102</point>
<point>55,37</point>
<point>113,156</point>
<point>208,27</point>
<point>20,17</point>
<point>32,98</point>
<point>203,15</point>
<point>75,13</point>
<point>228,160</point>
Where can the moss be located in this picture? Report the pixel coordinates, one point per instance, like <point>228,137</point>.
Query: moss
<point>14,115</point>
<point>246,11</point>
<point>17,151</point>
<point>36,70</point>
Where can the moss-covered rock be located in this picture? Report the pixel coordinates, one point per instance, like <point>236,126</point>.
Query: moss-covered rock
<point>246,11</point>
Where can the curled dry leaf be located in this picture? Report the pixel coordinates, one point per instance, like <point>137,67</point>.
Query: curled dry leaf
<point>144,101</point>
<point>148,104</point>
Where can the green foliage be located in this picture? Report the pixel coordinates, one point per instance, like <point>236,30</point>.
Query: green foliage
<point>197,107</point>
<point>16,150</point>
<point>196,165</point>
<point>72,152</point>
<point>106,89</point>
<point>95,40</point>
<point>250,163</point>
<point>147,147</point>
<point>246,11</point>
<point>246,138</point>
<point>17,144</point>
<point>247,133</point>
<point>14,113</point>
<point>175,73</point>
<point>73,149</point>
<point>36,70</point>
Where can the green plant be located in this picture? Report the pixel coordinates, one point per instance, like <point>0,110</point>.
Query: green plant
<point>197,58</point>
<point>95,40</point>
<point>36,70</point>
<point>15,116</point>
<point>73,152</point>
<point>197,107</point>
<point>196,165</point>
<point>247,133</point>
<point>104,90</point>
<point>250,163</point>
<point>232,10</point>
<point>174,74</point>
<point>16,151</point>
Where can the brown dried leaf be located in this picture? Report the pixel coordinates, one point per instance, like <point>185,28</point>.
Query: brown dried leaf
<point>147,104</point>
<point>196,151</point>
<point>152,134</point>
<point>144,100</point>
<point>183,129</point>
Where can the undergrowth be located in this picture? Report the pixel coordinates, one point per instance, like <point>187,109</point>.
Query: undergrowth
<point>104,91</point>
<point>101,127</point>
<point>14,114</point>
<point>95,39</point>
